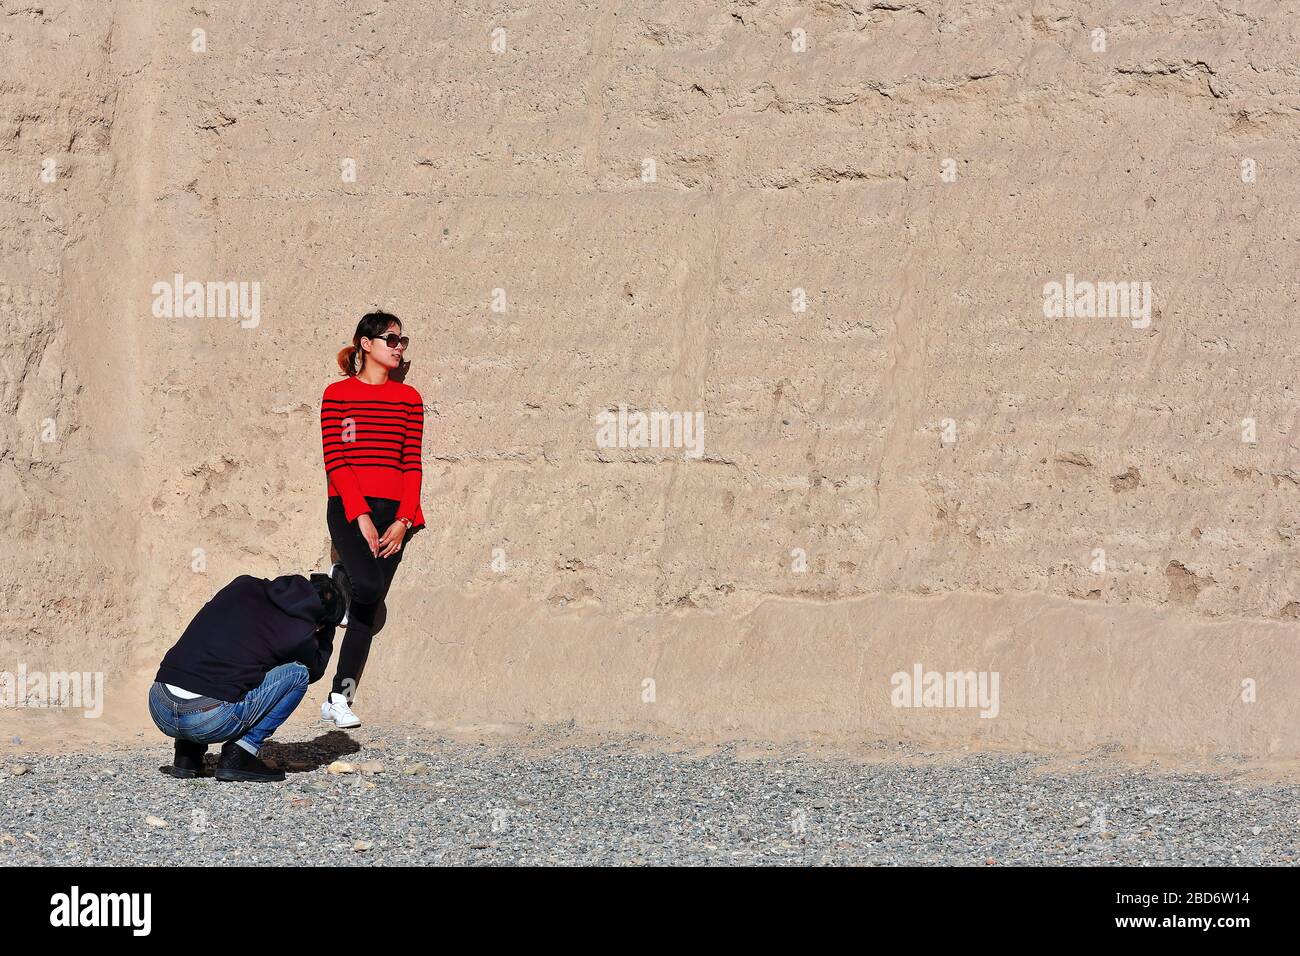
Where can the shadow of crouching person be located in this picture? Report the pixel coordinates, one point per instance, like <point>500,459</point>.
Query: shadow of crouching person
<point>241,667</point>
<point>308,755</point>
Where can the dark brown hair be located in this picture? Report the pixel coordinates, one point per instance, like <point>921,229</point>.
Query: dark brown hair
<point>351,358</point>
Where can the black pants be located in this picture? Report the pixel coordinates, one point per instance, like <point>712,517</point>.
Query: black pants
<point>370,578</point>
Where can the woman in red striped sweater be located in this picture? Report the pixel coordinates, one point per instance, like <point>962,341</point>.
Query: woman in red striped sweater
<point>372,424</point>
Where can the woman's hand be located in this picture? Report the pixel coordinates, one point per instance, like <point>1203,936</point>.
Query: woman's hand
<point>391,542</point>
<point>369,532</point>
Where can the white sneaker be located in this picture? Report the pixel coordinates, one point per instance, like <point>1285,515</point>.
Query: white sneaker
<point>337,712</point>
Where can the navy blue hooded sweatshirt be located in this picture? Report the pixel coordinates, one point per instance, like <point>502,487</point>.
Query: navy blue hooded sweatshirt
<point>250,626</point>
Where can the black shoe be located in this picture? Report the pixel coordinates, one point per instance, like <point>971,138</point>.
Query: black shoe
<point>188,762</point>
<point>237,764</point>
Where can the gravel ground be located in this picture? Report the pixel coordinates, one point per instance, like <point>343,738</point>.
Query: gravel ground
<point>628,800</point>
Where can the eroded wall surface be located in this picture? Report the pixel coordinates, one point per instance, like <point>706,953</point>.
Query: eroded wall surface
<point>615,203</point>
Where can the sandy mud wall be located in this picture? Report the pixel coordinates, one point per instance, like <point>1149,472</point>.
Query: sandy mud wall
<point>73,452</point>
<point>827,228</point>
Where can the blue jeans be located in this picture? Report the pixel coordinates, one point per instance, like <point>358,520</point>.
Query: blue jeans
<point>248,723</point>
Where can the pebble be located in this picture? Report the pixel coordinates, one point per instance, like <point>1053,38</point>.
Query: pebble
<point>156,821</point>
<point>413,769</point>
<point>614,800</point>
<point>339,767</point>
<point>371,767</point>
<point>361,846</point>
<point>19,770</point>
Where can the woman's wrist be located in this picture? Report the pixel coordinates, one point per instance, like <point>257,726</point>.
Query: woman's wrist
<point>406,523</point>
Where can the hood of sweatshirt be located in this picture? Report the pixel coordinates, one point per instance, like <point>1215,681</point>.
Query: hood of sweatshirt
<point>294,595</point>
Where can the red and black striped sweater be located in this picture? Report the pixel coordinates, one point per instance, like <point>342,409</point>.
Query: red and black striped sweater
<point>372,436</point>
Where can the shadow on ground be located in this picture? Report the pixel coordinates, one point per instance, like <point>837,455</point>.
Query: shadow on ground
<point>300,757</point>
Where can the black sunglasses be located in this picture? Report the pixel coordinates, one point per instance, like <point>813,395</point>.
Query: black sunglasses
<point>392,339</point>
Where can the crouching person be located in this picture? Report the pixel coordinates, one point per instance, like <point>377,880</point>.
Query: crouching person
<point>241,668</point>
